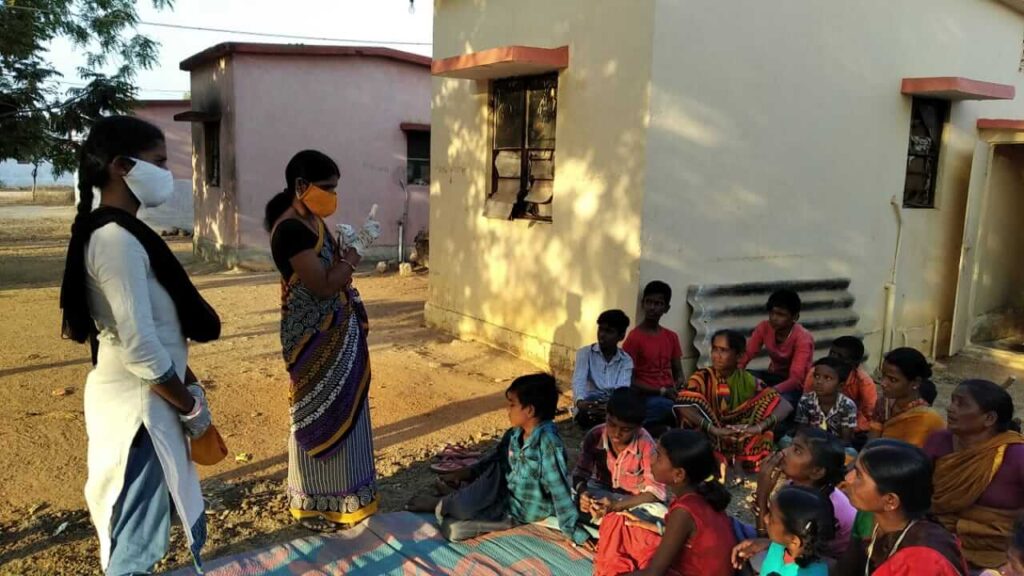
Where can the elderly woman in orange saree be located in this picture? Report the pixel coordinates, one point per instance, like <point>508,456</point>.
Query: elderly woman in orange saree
<point>979,471</point>
<point>733,408</point>
<point>901,413</point>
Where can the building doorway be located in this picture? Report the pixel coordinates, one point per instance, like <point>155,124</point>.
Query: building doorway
<point>989,308</point>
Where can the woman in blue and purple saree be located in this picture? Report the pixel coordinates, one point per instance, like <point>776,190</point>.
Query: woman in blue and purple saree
<point>331,473</point>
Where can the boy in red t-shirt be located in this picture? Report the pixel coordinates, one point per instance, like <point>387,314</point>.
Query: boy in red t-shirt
<point>657,356</point>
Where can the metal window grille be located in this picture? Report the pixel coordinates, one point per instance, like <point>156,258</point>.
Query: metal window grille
<point>927,119</point>
<point>523,148</point>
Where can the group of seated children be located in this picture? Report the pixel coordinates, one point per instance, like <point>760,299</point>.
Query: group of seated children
<point>656,504</point>
<point>805,525</point>
<point>742,412</point>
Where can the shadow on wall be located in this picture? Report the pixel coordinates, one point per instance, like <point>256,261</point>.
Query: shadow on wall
<point>704,187</point>
<point>569,331</point>
<point>528,284</point>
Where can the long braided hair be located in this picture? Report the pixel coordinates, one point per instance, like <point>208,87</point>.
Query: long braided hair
<point>109,138</point>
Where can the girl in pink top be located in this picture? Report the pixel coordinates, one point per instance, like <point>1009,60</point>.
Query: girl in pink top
<point>815,459</point>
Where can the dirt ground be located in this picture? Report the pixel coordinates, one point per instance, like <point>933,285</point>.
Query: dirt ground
<point>428,389</point>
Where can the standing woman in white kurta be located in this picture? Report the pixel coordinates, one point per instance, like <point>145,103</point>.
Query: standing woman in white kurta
<point>126,293</point>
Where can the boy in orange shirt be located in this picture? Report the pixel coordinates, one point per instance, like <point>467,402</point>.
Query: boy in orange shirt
<point>859,386</point>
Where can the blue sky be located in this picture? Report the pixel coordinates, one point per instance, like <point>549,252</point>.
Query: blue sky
<point>372,20</point>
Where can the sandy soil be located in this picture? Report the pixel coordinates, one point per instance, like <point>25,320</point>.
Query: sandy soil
<point>428,389</point>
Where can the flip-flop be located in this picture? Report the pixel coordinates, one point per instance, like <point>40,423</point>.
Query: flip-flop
<point>452,465</point>
<point>457,451</point>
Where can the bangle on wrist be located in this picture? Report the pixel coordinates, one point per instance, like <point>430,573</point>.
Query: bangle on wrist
<point>197,407</point>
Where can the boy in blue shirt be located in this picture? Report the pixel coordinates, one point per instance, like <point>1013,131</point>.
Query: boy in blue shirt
<point>601,368</point>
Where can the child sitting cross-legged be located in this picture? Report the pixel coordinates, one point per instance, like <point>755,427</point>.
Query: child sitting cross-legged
<point>601,368</point>
<point>858,386</point>
<point>524,480</point>
<point>826,407</point>
<point>614,470</point>
<point>697,536</point>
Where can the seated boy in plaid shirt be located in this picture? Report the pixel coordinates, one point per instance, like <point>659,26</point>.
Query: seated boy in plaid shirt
<point>525,480</point>
<point>613,472</point>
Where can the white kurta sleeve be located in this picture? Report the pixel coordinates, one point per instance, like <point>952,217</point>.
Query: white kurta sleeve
<point>120,266</point>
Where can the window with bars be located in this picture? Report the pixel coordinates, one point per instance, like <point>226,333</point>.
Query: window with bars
<point>523,113</point>
<point>211,150</point>
<point>417,158</point>
<point>927,119</point>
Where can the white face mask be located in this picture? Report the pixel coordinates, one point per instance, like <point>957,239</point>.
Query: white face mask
<point>151,184</point>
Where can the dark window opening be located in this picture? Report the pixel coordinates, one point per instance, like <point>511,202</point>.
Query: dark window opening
<point>523,153</point>
<point>927,118</point>
<point>417,167</point>
<point>211,150</point>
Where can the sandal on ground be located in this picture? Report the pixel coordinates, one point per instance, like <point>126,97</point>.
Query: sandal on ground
<point>452,465</point>
<point>457,451</point>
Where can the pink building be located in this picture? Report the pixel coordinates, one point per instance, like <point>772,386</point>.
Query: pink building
<point>179,212</point>
<point>256,105</point>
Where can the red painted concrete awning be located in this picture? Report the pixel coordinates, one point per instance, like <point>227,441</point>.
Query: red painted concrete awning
<point>956,88</point>
<point>414,127</point>
<point>503,62</point>
<point>1013,124</point>
<point>197,116</point>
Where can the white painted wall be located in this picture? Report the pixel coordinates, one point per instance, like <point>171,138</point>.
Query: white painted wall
<point>778,135</point>
<point>525,285</point>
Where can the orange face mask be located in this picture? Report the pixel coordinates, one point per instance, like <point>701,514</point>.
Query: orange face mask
<point>319,201</point>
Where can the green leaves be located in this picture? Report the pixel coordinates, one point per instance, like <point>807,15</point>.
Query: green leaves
<point>39,120</point>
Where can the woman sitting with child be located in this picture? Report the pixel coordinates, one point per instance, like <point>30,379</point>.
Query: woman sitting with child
<point>735,410</point>
<point>979,471</point>
<point>903,413</point>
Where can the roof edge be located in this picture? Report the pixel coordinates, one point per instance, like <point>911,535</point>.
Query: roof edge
<point>226,48</point>
<point>163,102</point>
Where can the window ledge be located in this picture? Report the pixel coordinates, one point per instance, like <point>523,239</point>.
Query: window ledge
<point>1015,125</point>
<point>956,88</point>
<point>503,62</point>
<point>414,127</point>
<point>197,116</point>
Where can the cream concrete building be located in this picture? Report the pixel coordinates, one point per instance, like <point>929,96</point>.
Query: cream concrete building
<point>582,148</point>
